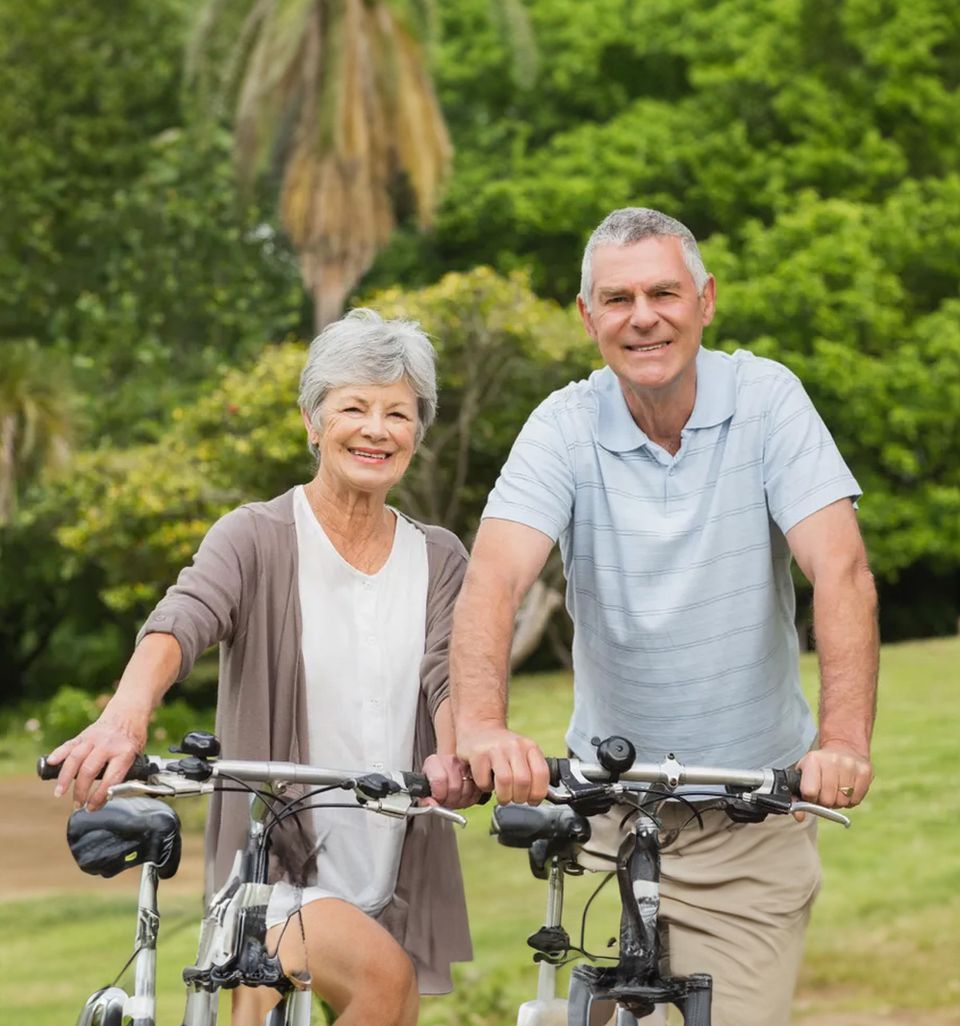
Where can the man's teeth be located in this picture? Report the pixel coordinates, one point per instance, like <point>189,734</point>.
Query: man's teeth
<point>649,349</point>
<point>369,455</point>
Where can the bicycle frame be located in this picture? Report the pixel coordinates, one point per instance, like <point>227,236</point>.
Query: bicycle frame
<point>635,985</point>
<point>231,948</point>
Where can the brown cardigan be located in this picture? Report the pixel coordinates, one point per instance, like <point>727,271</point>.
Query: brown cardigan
<point>241,591</point>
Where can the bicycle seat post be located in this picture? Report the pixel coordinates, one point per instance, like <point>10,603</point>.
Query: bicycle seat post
<point>547,976</point>
<point>142,1005</point>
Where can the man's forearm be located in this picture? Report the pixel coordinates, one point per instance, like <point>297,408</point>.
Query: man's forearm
<point>480,653</point>
<point>847,638</point>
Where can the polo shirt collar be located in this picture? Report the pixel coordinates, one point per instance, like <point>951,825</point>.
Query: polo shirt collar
<point>716,401</point>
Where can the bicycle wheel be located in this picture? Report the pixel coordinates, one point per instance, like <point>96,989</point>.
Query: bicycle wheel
<point>104,1008</point>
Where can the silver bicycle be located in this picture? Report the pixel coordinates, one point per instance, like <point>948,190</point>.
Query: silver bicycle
<point>633,987</point>
<point>136,828</point>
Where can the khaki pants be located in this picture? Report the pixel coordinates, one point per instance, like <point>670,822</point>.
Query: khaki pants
<point>735,900</point>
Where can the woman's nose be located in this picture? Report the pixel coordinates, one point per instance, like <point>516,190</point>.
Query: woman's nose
<point>374,425</point>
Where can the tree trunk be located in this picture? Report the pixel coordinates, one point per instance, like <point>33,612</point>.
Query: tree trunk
<point>8,470</point>
<point>532,619</point>
<point>329,290</point>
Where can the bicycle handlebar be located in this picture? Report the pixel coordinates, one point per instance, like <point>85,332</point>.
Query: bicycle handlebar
<point>671,773</point>
<point>161,776</point>
<point>589,785</point>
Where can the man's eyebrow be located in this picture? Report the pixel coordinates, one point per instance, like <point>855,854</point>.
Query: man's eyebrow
<point>612,290</point>
<point>668,283</point>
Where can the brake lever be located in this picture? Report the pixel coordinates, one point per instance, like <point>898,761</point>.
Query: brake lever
<point>168,790</point>
<point>437,810</point>
<point>822,811</point>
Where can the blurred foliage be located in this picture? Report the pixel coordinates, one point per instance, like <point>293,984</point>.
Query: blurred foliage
<point>141,512</point>
<point>130,250</point>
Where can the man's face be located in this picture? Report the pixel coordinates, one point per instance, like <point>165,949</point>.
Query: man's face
<point>645,314</point>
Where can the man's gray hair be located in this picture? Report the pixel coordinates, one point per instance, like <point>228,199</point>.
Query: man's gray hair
<point>364,349</point>
<point>631,224</point>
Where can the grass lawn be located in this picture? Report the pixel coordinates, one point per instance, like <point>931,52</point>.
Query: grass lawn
<point>885,934</point>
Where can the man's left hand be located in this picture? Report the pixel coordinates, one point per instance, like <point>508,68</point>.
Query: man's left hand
<point>835,776</point>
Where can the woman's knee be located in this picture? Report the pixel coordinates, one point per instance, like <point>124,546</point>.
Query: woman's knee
<point>389,984</point>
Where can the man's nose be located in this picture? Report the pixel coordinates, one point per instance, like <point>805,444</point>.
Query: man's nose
<point>642,314</point>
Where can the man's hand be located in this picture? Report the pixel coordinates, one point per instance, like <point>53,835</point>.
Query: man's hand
<point>835,776</point>
<point>506,762</point>
<point>450,782</point>
<point>110,744</point>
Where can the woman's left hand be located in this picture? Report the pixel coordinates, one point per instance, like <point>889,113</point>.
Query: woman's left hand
<point>450,782</point>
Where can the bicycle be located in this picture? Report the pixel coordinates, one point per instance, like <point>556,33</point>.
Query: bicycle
<point>553,837</point>
<point>135,828</point>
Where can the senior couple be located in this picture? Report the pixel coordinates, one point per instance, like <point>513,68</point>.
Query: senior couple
<point>679,482</point>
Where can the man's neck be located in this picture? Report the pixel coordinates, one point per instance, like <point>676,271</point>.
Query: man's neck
<point>662,414</point>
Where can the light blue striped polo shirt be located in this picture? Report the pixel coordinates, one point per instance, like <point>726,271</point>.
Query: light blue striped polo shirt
<point>678,571</point>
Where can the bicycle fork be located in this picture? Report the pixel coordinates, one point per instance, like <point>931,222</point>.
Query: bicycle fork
<point>636,983</point>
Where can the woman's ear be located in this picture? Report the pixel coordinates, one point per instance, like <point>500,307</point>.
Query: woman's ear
<point>312,436</point>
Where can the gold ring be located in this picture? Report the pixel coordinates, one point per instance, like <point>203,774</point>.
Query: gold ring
<point>847,792</point>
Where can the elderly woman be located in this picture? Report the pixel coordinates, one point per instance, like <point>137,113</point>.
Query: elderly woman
<point>332,611</point>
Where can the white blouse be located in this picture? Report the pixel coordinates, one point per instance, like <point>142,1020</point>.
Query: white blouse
<point>363,642</point>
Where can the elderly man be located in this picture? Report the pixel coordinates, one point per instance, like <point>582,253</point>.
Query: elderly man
<point>679,482</point>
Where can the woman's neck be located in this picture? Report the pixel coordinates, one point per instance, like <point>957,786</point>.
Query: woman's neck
<point>358,524</point>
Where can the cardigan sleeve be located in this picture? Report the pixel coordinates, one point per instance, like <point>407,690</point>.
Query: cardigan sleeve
<point>447,564</point>
<point>204,606</point>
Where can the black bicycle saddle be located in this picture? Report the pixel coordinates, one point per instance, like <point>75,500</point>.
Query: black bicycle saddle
<point>126,832</point>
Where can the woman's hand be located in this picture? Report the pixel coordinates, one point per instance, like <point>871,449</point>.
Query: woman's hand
<point>451,783</point>
<point>110,744</point>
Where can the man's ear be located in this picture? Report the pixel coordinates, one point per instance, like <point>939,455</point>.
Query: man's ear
<point>709,300</point>
<point>586,318</point>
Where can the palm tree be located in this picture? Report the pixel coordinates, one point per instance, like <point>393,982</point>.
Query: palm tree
<point>334,96</point>
<point>34,418</point>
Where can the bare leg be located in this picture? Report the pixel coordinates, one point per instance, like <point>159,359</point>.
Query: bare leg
<point>354,964</point>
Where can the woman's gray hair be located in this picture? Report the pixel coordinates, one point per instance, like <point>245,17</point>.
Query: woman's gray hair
<point>364,349</point>
<point>631,224</point>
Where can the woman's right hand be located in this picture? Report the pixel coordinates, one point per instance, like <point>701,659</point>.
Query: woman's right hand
<point>110,744</point>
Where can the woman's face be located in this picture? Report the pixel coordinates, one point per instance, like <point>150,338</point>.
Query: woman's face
<point>367,435</point>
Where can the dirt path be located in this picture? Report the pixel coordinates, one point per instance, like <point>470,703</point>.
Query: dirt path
<point>34,860</point>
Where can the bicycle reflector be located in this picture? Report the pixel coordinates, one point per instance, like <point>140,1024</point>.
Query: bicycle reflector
<point>126,832</point>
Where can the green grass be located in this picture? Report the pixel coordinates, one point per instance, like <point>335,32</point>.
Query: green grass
<point>885,933</point>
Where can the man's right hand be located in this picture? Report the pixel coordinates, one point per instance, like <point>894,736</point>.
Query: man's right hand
<point>505,762</point>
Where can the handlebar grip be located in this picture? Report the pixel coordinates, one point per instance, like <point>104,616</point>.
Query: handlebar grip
<point>140,769</point>
<point>791,777</point>
<point>417,784</point>
<point>553,765</point>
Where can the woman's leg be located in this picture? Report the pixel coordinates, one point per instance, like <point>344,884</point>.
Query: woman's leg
<point>354,965</point>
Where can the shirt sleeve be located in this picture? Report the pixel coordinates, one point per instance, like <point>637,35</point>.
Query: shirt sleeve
<point>447,564</point>
<point>536,486</point>
<point>203,607</point>
<point>803,470</point>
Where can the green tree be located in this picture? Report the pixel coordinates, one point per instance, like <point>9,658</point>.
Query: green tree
<point>334,98</point>
<point>141,511</point>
